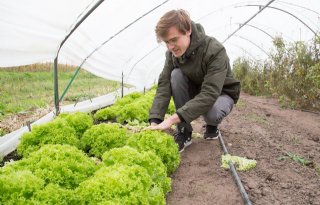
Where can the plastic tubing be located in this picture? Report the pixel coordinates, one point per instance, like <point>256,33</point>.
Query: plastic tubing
<point>235,175</point>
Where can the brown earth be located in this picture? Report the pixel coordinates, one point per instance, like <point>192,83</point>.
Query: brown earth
<point>258,129</point>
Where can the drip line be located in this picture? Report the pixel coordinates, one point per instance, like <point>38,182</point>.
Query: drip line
<point>235,174</point>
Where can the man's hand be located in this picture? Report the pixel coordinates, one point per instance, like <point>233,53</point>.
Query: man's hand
<point>153,124</point>
<point>166,124</point>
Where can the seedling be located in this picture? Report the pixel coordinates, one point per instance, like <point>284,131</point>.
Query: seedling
<point>295,140</point>
<point>295,158</point>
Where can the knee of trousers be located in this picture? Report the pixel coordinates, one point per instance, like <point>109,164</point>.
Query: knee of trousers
<point>214,116</point>
<point>177,77</point>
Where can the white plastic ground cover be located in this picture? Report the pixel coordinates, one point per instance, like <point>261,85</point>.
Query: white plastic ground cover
<point>9,142</point>
<point>31,32</point>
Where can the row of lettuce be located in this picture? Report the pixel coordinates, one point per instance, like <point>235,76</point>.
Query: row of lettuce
<point>72,160</point>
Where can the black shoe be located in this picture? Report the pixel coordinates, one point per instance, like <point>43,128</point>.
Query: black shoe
<point>183,140</point>
<point>212,133</point>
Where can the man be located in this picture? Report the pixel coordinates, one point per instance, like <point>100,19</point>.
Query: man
<point>197,74</point>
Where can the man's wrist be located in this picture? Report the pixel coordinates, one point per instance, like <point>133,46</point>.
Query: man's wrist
<point>174,119</point>
<point>180,117</point>
<point>155,120</point>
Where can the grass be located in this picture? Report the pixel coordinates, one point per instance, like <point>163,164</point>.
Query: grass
<point>27,88</point>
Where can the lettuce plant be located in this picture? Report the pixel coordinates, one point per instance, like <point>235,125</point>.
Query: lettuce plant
<point>160,143</point>
<point>110,113</point>
<point>120,184</point>
<point>241,163</point>
<point>127,99</point>
<point>103,137</point>
<point>53,194</point>
<point>137,110</point>
<point>63,165</point>
<point>54,132</point>
<point>171,108</point>
<point>107,113</point>
<point>132,107</point>
<point>80,121</point>
<point>146,159</point>
<point>18,187</point>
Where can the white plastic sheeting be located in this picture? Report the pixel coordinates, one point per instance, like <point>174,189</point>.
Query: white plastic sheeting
<point>31,31</point>
<point>9,142</point>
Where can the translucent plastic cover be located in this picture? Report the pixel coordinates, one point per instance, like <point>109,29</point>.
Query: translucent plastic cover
<point>118,37</point>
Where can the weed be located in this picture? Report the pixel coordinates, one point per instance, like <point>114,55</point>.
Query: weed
<point>241,104</point>
<point>282,101</point>
<point>295,140</point>
<point>295,158</point>
<point>279,146</point>
<point>79,97</point>
<point>253,117</point>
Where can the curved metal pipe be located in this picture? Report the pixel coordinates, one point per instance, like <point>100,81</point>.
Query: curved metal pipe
<point>268,35</point>
<point>127,26</point>
<point>252,17</point>
<point>244,50</point>
<point>299,6</point>
<point>271,7</point>
<point>56,90</point>
<point>253,44</point>
<point>260,30</point>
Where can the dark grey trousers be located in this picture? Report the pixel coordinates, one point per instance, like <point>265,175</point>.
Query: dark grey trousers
<point>183,89</point>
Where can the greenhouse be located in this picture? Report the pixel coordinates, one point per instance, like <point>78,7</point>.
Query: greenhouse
<point>88,141</point>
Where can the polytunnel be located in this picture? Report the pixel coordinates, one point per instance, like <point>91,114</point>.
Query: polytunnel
<point>118,36</point>
<point>116,40</point>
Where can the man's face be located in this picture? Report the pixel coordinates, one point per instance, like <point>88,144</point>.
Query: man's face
<point>177,42</point>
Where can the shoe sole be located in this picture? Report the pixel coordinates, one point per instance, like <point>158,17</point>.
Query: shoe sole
<point>213,138</point>
<point>186,145</point>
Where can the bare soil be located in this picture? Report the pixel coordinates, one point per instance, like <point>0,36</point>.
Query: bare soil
<point>259,129</point>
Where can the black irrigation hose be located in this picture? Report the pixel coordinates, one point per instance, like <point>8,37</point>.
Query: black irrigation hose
<point>235,175</point>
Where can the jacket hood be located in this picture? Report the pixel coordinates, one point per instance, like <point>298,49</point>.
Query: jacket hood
<point>197,37</point>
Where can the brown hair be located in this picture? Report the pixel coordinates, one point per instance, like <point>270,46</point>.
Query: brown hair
<point>178,18</point>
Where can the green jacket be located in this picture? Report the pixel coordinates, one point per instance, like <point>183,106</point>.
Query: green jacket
<point>206,64</point>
